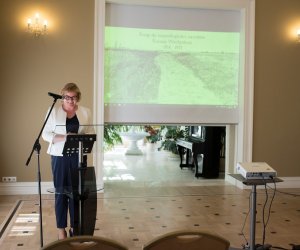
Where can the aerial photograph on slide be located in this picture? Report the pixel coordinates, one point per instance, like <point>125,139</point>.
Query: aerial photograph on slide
<point>171,67</point>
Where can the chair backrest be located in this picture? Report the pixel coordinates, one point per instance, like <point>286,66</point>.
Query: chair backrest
<point>188,240</point>
<point>85,243</point>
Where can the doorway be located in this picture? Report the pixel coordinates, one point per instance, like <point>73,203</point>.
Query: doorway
<point>159,160</point>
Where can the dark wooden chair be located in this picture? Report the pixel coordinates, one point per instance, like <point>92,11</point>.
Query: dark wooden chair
<point>188,240</point>
<point>84,243</point>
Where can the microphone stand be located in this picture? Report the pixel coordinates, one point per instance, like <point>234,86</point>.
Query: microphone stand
<point>37,147</point>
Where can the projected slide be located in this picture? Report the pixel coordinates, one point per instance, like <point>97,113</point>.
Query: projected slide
<point>152,66</point>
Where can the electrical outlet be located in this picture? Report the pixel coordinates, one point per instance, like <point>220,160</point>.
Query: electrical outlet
<point>9,179</point>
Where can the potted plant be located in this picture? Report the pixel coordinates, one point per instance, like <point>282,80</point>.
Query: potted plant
<point>153,137</point>
<point>111,136</point>
<point>170,135</point>
<point>154,133</point>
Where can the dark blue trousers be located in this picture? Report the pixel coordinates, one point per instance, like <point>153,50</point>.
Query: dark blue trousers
<point>65,176</point>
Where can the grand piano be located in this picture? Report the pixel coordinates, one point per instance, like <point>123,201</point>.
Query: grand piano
<point>208,146</point>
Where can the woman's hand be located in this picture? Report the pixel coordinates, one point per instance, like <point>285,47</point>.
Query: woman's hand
<point>59,138</point>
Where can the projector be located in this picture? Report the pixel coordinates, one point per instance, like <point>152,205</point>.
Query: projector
<point>255,170</point>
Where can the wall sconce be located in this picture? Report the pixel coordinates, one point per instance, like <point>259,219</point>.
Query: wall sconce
<point>37,27</point>
<point>298,35</point>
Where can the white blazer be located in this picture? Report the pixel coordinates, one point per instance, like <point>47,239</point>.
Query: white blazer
<point>56,124</point>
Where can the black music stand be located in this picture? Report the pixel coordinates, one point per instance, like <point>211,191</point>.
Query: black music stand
<point>254,183</point>
<point>84,181</point>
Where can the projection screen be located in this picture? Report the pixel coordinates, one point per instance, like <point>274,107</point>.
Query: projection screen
<point>171,65</point>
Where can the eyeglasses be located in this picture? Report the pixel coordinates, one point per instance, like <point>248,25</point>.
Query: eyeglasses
<point>70,98</point>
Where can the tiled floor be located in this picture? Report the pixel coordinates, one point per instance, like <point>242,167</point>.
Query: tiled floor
<point>146,196</point>
<point>156,167</point>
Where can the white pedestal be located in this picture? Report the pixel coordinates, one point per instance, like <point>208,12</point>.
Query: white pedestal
<point>133,148</point>
<point>133,137</point>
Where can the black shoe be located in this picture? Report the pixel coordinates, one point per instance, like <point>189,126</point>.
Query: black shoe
<point>71,234</point>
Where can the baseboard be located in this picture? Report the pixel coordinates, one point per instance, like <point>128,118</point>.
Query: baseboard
<point>23,188</point>
<point>288,182</point>
<point>17,188</point>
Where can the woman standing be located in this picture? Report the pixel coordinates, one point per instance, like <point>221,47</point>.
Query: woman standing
<point>64,119</point>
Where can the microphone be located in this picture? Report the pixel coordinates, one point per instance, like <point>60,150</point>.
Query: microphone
<point>55,96</point>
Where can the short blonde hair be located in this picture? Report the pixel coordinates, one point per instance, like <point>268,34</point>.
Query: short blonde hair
<point>71,87</point>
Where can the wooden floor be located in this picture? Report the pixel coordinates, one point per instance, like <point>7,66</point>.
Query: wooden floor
<point>135,211</point>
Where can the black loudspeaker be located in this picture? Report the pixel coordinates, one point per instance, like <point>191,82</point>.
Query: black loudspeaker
<point>85,203</point>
